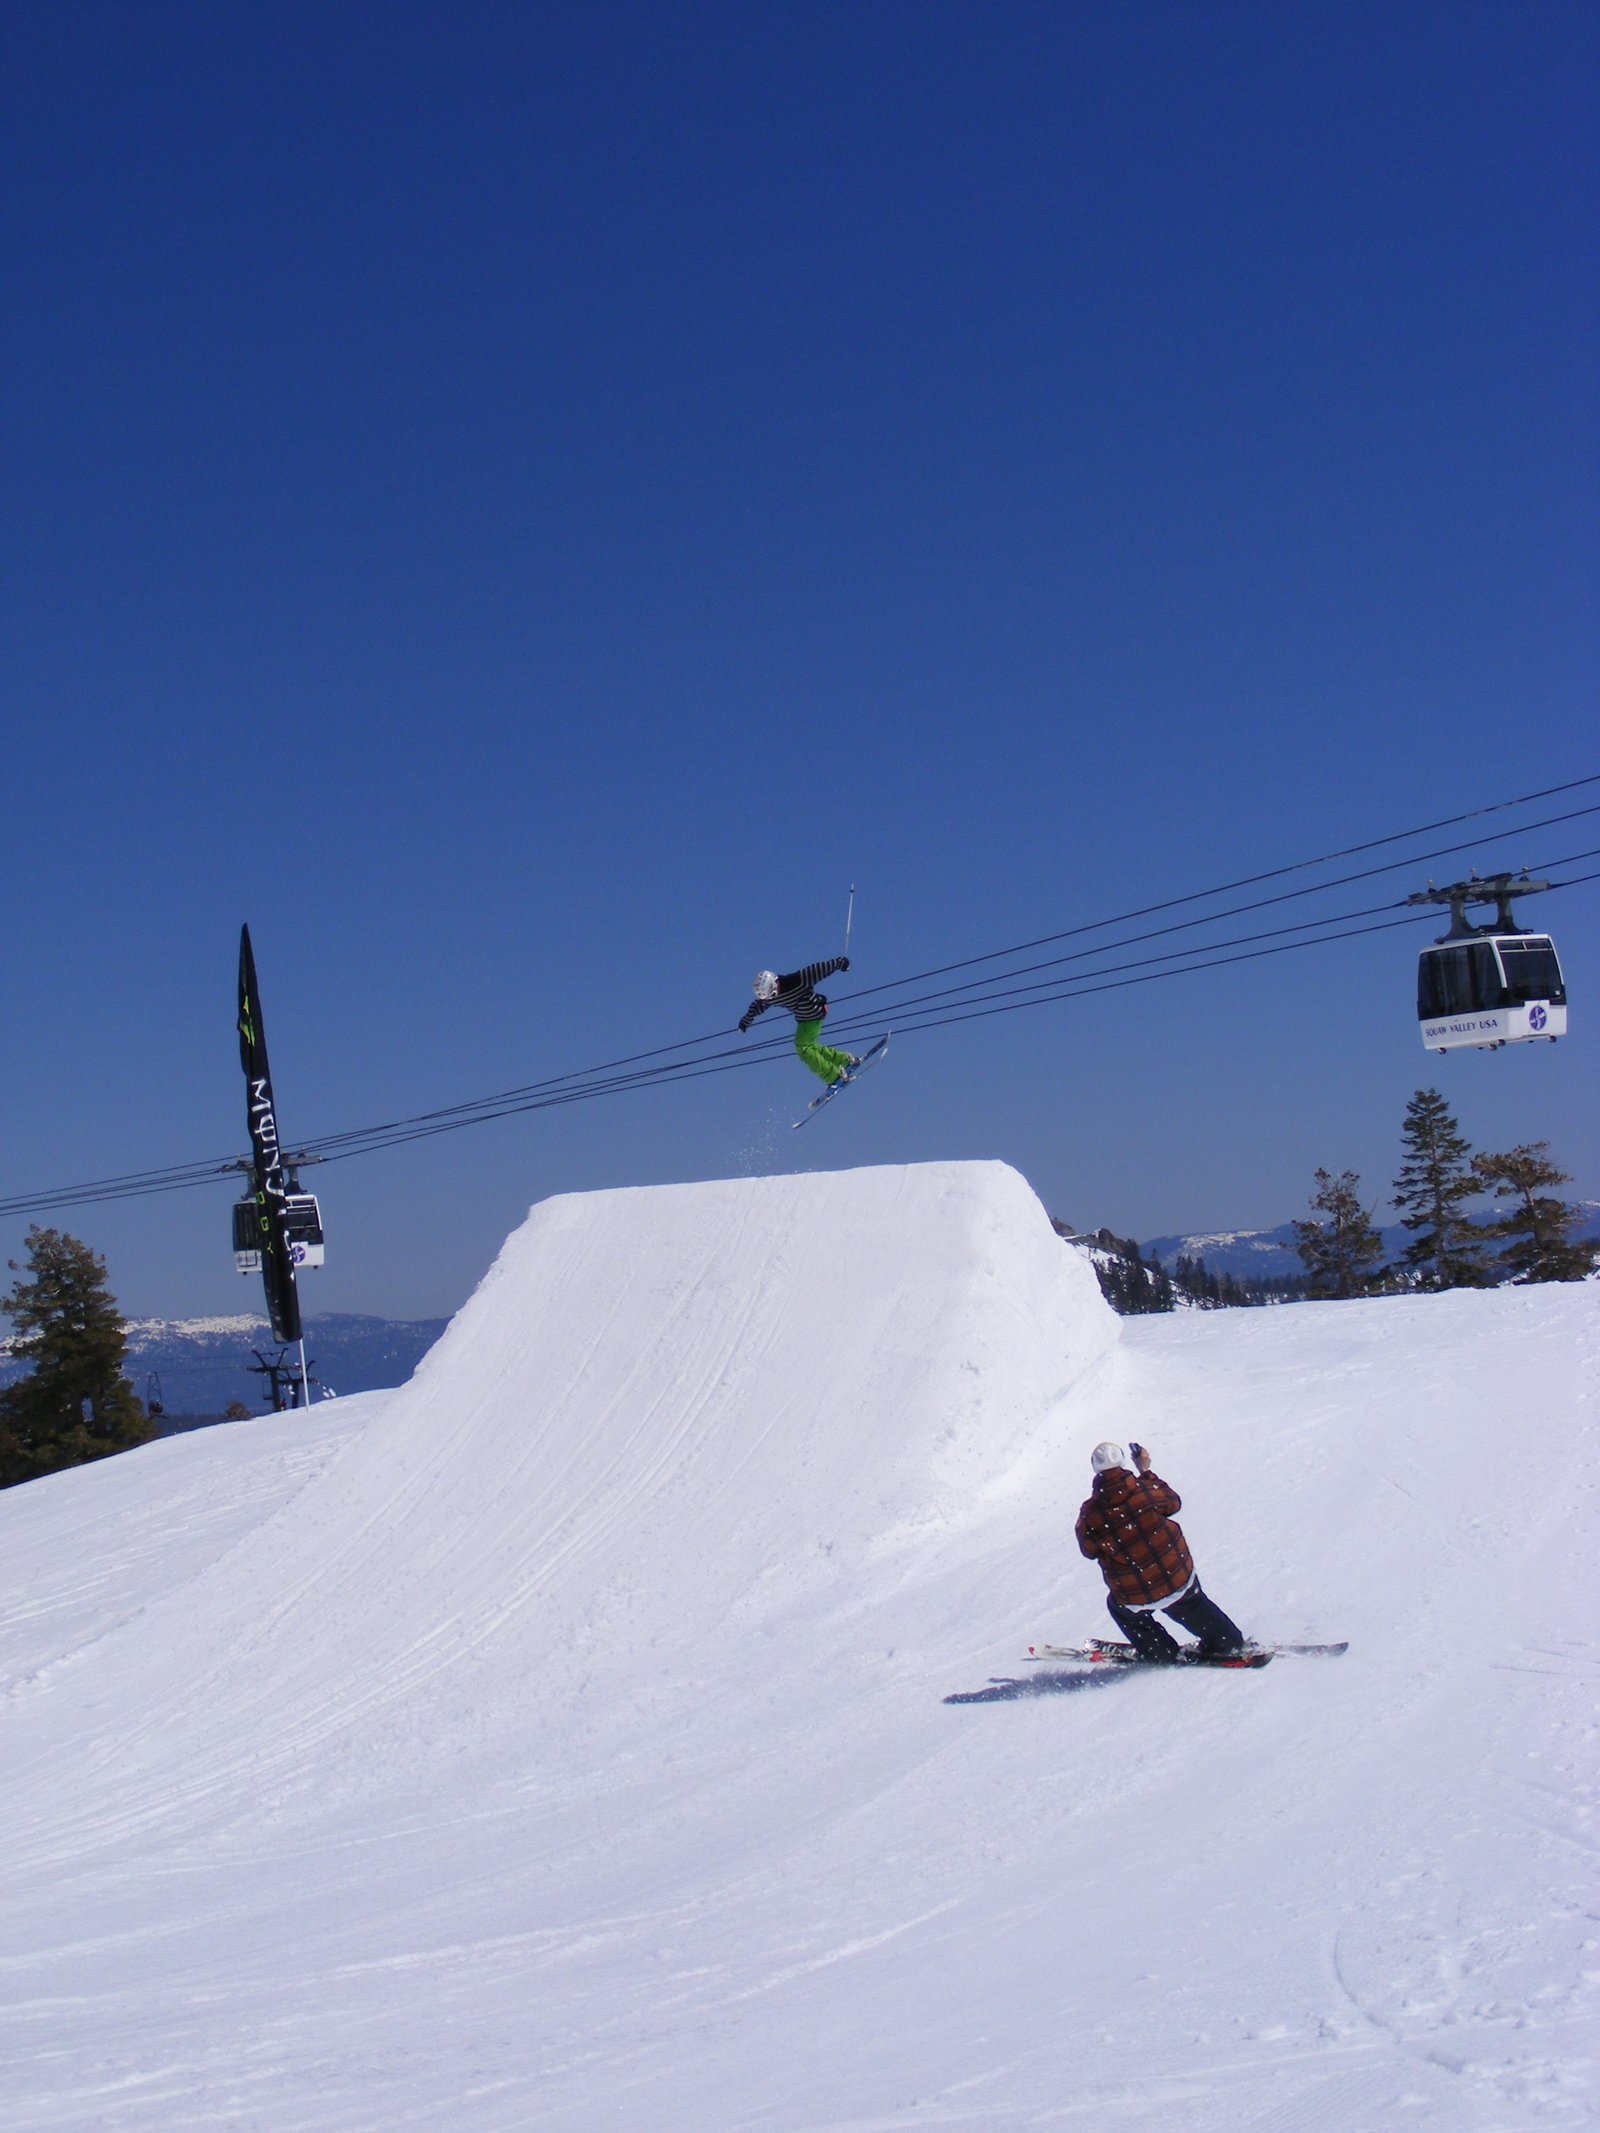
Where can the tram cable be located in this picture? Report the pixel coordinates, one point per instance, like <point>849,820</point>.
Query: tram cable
<point>490,1106</point>
<point>1298,866</point>
<point>1082,986</point>
<point>995,993</point>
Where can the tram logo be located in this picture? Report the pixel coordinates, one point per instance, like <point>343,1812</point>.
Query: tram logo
<point>1537,1017</point>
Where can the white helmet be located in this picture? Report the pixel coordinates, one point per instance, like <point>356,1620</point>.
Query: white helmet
<point>766,984</point>
<point>1105,1456</point>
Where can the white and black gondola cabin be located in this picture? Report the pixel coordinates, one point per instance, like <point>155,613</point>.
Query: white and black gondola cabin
<point>1490,985</point>
<point>302,1226</point>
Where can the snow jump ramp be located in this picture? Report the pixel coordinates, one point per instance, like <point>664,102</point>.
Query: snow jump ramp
<point>681,1424</point>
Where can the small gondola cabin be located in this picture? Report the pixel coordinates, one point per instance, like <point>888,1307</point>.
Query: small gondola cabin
<point>1489,990</point>
<point>1488,985</point>
<point>302,1226</point>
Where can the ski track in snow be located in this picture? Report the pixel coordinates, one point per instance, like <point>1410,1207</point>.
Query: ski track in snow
<point>563,1739</point>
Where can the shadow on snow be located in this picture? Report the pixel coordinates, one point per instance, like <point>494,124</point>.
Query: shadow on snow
<point>1003,1689</point>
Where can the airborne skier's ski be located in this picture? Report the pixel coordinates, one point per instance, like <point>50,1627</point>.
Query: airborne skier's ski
<point>869,1057</point>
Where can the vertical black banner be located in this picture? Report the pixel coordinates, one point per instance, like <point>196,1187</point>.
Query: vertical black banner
<point>267,1179</point>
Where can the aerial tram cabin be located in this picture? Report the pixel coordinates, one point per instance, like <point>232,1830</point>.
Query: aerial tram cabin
<point>302,1226</point>
<point>1488,985</point>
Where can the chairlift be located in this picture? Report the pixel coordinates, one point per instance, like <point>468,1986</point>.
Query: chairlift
<point>1490,985</point>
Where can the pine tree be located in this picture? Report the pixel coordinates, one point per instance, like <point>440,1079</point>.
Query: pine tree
<point>1536,1227</point>
<point>1159,1292</point>
<point>1435,1182</point>
<point>1341,1254</point>
<point>75,1404</point>
<point>1128,1284</point>
<point>1189,1278</point>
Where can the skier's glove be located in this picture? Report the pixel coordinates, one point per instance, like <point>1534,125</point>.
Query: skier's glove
<point>744,1023</point>
<point>844,962</point>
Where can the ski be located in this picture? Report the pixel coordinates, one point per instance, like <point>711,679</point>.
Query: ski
<point>1102,1648</point>
<point>1324,1651</point>
<point>1102,1654</point>
<point>869,1057</point>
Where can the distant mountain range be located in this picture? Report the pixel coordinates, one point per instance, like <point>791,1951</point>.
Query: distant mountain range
<point>1269,1254</point>
<point>204,1363</point>
<point>1247,1254</point>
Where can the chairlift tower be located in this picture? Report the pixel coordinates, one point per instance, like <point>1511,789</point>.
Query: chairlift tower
<point>287,1387</point>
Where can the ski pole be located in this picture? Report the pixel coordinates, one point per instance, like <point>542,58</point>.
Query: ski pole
<point>849,918</point>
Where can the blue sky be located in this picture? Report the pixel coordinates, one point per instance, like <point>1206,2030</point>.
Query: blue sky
<point>525,505</point>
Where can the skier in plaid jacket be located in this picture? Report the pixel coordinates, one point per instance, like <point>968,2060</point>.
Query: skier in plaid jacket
<point>1129,1527</point>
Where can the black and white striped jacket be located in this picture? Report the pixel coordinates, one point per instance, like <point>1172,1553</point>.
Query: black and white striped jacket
<point>797,993</point>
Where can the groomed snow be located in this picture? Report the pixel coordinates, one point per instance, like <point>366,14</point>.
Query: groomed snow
<point>561,1741</point>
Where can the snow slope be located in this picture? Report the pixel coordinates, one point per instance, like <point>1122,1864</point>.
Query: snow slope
<point>563,1739</point>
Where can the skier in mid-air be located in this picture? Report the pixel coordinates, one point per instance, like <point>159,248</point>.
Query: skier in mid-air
<point>1128,1527</point>
<point>797,992</point>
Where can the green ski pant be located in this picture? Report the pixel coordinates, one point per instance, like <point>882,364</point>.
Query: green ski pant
<point>823,1060</point>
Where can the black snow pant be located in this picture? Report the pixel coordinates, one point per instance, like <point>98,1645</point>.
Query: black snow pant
<point>1195,1612</point>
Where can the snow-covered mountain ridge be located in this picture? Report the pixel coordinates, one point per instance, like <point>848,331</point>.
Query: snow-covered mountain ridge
<point>1258,1254</point>
<point>144,1333</point>
<point>1270,1254</point>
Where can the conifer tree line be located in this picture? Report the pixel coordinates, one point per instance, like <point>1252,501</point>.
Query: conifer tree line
<point>1133,1285</point>
<point>1528,1235</point>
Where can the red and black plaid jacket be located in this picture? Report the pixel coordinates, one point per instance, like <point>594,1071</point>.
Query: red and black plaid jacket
<point>1127,1527</point>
